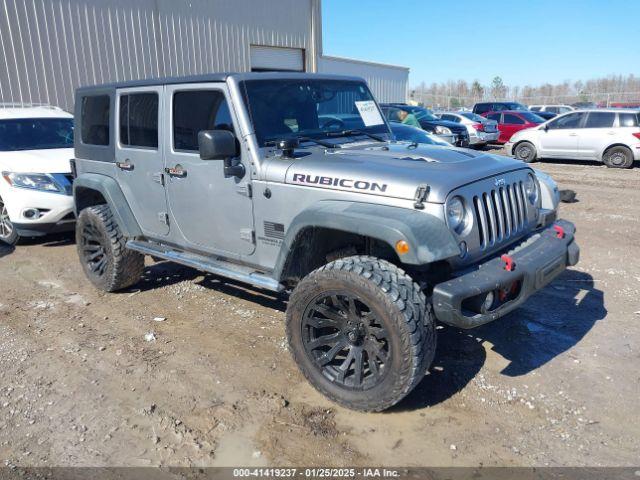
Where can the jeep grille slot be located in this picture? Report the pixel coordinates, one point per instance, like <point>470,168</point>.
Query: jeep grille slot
<point>500,214</point>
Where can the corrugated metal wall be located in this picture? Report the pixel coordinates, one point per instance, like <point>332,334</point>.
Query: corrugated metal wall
<point>387,82</point>
<point>50,47</point>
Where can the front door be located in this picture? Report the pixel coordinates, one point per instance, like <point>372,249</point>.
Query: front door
<point>560,140</point>
<point>139,158</point>
<point>212,213</point>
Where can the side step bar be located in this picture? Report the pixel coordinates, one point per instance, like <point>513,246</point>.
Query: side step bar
<point>207,264</point>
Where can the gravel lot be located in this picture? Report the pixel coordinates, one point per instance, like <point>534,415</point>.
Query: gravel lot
<point>555,383</point>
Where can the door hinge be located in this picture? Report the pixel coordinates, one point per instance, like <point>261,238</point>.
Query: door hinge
<point>163,217</point>
<point>248,235</point>
<point>245,190</point>
<point>158,177</point>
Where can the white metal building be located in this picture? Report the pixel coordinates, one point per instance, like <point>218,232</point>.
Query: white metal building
<point>50,47</point>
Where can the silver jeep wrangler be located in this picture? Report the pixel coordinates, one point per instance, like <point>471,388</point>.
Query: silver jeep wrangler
<point>292,183</point>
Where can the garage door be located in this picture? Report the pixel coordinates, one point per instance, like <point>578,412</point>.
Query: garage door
<point>265,58</point>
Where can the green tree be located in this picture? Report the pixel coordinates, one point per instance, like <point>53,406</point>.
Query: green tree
<point>498,89</point>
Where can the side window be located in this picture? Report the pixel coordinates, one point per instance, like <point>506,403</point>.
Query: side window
<point>571,120</point>
<point>629,119</point>
<point>553,109</point>
<point>564,109</point>
<point>197,110</point>
<point>449,118</point>
<point>535,109</point>
<point>139,120</point>
<point>95,120</point>
<point>600,120</point>
<point>494,116</point>
<point>498,107</point>
<point>511,119</point>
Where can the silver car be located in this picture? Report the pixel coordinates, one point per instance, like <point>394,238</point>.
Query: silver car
<point>481,130</point>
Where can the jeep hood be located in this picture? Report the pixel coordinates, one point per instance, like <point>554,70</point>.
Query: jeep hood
<point>396,169</point>
<point>54,160</point>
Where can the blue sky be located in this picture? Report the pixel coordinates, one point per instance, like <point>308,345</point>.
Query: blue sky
<point>525,42</point>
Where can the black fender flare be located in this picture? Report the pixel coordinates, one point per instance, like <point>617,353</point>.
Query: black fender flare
<point>112,193</point>
<point>429,238</point>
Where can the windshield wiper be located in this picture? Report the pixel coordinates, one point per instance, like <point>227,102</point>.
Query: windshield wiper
<point>351,133</point>
<point>274,143</point>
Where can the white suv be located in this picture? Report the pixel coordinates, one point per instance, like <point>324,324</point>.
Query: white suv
<point>611,136</point>
<point>36,144</point>
<point>557,109</point>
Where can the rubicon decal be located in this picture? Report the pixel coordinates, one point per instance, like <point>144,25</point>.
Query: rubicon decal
<point>339,182</point>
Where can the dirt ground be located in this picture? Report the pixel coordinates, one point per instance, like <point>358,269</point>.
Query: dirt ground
<point>555,383</point>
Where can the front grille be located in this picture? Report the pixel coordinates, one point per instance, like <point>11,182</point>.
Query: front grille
<point>500,214</point>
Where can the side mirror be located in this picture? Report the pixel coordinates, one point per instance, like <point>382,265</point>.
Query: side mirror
<point>217,144</point>
<point>221,145</point>
<point>546,128</point>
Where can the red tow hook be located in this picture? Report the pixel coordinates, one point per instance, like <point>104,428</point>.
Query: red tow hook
<point>560,231</point>
<point>509,264</point>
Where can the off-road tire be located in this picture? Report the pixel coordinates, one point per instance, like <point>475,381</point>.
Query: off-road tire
<point>526,152</point>
<point>97,232</point>
<point>8,232</point>
<point>405,314</point>
<point>618,157</point>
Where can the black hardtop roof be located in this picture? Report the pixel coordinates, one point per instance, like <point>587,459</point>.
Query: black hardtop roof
<point>216,77</point>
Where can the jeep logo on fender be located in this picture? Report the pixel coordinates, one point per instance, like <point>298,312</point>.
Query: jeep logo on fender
<point>339,182</point>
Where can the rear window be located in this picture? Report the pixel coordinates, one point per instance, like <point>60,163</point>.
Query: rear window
<point>629,119</point>
<point>473,117</point>
<point>600,120</point>
<point>139,120</point>
<point>482,108</point>
<point>95,120</point>
<point>531,117</point>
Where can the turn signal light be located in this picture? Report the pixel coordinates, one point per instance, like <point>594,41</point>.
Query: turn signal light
<point>479,127</point>
<point>637,135</point>
<point>402,247</point>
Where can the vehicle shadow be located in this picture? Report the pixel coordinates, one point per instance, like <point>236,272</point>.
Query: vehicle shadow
<point>549,323</point>
<point>6,249</point>
<point>163,273</point>
<point>51,240</point>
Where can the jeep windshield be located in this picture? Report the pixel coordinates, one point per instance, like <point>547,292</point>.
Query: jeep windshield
<point>311,108</point>
<point>35,134</point>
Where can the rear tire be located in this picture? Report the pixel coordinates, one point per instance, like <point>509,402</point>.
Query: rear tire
<point>106,261</point>
<point>526,152</point>
<point>618,157</point>
<point>364,312</point>
<point>8,233</point>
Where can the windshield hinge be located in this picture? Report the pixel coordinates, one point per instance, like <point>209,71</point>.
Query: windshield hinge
<point>422,192</point>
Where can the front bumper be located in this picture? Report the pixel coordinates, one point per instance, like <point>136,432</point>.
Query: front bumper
<point>56,211</point>
<point>538,260</point>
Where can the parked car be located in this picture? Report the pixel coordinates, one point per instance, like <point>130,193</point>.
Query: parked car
<point>584,105</point>
<point>452,132</point>
<point>481,130</point>
<point>484,107</point>
<point>512,121</point>
<point>407,133</point>
<point>546,115</point>
<point>606,135</point>
<point>375,240</point>
<point>36,144</point>
<point>557,109</point>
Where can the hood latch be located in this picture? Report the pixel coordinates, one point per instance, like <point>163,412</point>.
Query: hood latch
<point>422,192</point>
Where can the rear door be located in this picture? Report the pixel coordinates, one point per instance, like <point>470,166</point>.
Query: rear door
<point>511,123</point>
<point>139,157</point>
<point>560,139</point>
<point>598,132</point>
<point>212,213</point>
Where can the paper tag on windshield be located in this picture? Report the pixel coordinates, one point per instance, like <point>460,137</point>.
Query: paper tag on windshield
<point>369,113</point>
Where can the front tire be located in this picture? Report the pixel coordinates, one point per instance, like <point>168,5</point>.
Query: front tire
<point>526,152</point>
<point>106,261</point>
<point>8,232</point>
<point>361,333</point>
<point>618,157</point>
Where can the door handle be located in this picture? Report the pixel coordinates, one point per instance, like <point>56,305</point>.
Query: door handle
<point>176,171</point>
<point>125,165</point>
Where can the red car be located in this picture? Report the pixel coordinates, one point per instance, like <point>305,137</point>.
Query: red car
<point>512,121</point>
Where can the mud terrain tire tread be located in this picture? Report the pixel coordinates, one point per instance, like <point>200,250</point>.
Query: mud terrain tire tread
<point>124,266</point>
<point>410,312</point>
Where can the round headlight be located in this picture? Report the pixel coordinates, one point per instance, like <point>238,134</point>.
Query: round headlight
<point>531,189</point>
<point>456,214</point>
